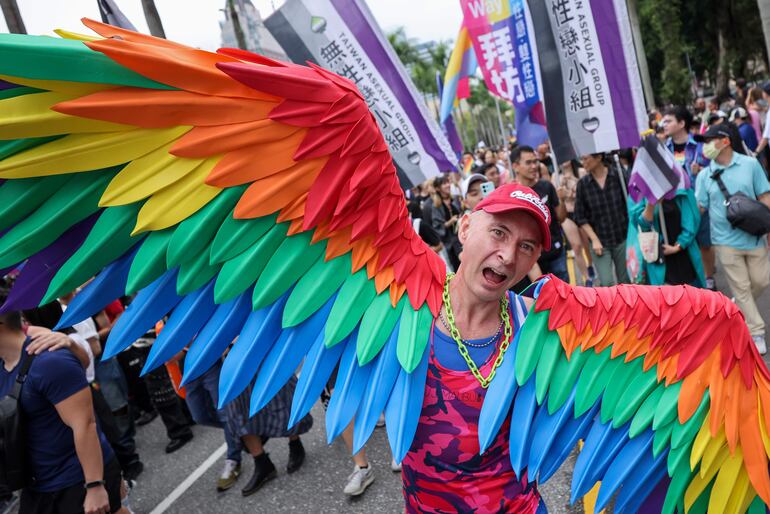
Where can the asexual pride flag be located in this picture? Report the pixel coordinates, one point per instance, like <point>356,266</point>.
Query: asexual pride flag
<point>590,76</point>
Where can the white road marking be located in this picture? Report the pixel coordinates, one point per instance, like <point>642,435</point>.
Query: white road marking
<point>190,480</point>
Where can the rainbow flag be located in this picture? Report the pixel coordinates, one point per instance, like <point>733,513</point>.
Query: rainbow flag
<point>462,64</point>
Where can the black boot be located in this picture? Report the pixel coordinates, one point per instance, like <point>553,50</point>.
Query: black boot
<point>296,456</point>
<point>264,471</point>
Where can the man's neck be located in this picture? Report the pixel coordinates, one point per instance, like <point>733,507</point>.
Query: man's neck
<point>726,157</point>
<point>600,172</point>
<point>474,318</point>
<point>680,138</point>
<point>524,181</point>
<point>11,344</point>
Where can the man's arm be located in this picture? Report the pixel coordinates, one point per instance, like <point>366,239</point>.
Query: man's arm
<point>104,327</point>
<point>45,340</point>
<point>559,207</point>
<point>765,199</point>
<point>596,243</point>
<point>77,412</point>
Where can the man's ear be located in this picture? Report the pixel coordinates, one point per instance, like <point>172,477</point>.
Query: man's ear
<point>465,224</point>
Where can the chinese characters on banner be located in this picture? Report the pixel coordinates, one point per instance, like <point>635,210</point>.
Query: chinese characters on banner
<point>342,36</point>
<point>507,56</point>
<point>335,58</point>
<point>591,84</point>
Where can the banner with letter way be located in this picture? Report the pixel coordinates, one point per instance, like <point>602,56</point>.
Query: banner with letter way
<point>500,31</point>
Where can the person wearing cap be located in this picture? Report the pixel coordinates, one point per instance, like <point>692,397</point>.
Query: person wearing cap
<point>741,118</point>
<point>470,188</point>
<point>502,239</point>
<point>600,210</point>
<point>525,164</point>
<point>743,257</point>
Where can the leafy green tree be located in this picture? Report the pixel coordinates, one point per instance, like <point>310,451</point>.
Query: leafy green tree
<point>722,38</point>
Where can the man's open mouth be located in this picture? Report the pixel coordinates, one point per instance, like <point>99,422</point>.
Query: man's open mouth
<point>494,276</point>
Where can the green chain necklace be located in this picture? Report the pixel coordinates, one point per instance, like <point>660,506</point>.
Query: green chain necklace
<point>455,333</point>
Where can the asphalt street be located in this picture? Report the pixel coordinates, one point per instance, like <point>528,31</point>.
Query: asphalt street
<point>316,487</point>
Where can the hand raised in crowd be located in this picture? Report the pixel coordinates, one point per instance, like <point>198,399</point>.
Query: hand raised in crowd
<point>97,501</point>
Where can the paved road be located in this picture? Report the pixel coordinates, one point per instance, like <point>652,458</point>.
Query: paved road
<point>317,487</point>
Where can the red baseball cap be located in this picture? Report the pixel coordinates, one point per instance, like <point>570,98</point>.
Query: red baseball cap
<point>515,197</point>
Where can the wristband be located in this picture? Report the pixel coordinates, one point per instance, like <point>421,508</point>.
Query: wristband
<point>95,483</point>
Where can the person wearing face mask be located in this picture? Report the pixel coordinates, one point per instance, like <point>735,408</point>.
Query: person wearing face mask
<point>744,257</point>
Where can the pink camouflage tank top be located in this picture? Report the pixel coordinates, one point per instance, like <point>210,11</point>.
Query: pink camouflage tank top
<point>443,471</point>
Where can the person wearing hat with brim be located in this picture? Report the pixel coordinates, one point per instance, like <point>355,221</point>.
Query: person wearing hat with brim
<point>502,239</point>
<point>470,188</point>
<point>740,117</point>
<point>742,256</point>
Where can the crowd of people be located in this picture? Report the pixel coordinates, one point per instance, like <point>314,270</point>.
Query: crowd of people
<point>594,221</point>
<point>84,411</point>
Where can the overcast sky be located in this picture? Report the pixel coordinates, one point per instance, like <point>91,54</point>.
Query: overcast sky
<point>195,22</point>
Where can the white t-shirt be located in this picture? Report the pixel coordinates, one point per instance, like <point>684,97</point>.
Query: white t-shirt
<point>766,131</point>
<point>84,331</point>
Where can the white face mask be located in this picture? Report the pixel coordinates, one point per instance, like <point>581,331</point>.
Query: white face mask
<point>711,151</point>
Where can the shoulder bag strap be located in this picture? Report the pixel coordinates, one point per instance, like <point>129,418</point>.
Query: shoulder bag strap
<point>716,176</point>
<point>22,376</point>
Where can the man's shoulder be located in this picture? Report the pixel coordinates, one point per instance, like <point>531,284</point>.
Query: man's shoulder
<point>48,365</point>
<point>543,187</point>
<point>741,167</point>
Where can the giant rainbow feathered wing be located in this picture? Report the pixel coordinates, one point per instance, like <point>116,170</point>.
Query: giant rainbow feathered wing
<point>257,200</point>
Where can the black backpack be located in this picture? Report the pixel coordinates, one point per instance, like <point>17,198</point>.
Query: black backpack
<point>744,212</point>
<point>14,472</point>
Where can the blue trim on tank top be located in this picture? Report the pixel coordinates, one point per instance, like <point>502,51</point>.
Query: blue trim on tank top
<point>446,351</point>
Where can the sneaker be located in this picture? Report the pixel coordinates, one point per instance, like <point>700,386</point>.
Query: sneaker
<point>395,467</point>
<point>359,480</point>
<point>145,418</point>
<point>710,284</point>
<point>381,421</point>
<point>132,471</point>
<point>759,341</point>
<point>229,476</point>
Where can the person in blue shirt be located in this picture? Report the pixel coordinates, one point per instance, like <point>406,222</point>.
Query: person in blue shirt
<point>72,466</point>
<point>743,257</point>
<point>741,118</point>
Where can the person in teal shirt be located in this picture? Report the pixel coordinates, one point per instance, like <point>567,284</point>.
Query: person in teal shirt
<point>680,260</point>
<point>744,257</point>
